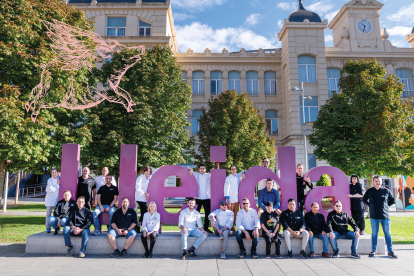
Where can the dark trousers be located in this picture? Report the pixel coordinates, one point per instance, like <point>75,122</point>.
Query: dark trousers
<point>240,236</point>
<point>153,238</point>
<point>143,209</point>
<point>269,241</point>
<point>358,216</point>
<point>300,205</point>
<point>206,204</point>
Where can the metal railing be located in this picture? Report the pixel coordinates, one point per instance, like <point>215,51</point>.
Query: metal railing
<point>25,192</point>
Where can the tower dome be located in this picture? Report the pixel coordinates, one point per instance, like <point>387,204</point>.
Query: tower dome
<point>302,14</point>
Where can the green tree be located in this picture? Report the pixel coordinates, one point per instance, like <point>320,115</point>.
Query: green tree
<point>24,47</point>
<point>366,129</point>
<point>324,180</point>
<point>232,121</point>
<point>159,118</point>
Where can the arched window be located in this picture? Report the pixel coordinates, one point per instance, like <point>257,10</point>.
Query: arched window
<point>307,69</point>
<point>116,26</point>
<point>272,123</point>
<point>406,77</point>
<point>311,161</point>
<point>216,81</point>
<point>333,80</point>
<point>311,110</point>
<point>252,83</point>
<point>184,76</point>
<point>144,28</point>
<point>198,83</point>
<point>270,83</point>
<point>234,81</point>
<point>195,126</point>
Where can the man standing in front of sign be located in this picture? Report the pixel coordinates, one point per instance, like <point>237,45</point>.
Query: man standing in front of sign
<point>204,193</point>
<point>231,191</point>
<point>379,199</point>
<point>86,188</point>
<point>301,183</point>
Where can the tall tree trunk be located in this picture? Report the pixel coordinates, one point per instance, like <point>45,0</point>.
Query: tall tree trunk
<point>3,166</point>
<point>369,185</point>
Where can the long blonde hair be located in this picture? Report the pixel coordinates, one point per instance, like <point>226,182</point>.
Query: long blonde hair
<point>152,203</point>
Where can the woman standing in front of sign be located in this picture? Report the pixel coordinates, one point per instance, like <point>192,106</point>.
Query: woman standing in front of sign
<point>52,194</point>
<point>141,195</point>
<point>356,192</point>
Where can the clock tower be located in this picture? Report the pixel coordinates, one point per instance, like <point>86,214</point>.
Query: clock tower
<point>356,28</point>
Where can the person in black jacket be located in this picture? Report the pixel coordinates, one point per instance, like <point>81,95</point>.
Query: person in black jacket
<point>86,188</point>
<point>294,227</point>
<point>337,226</point>
<point>61,213</point>
<point>379,199</point>
<point>80,219</point>
<point>316,227</point>
<point>270,225</point>
<point>356,192</point>
<point>301,183</point>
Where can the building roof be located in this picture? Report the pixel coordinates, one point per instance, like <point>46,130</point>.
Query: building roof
<point>302,14</point>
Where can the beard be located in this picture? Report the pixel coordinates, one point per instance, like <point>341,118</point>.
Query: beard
<point>124,207</point>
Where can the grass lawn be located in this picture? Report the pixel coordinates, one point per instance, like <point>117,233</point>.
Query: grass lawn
<point>29,207</point>
<point>402,229</point>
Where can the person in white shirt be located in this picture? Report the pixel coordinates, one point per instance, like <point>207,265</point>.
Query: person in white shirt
<point>204,192</point>
<point>100,180</point>
<point>52,194</point>
<point>262,183</point>
<point>248,225</point>
<point>187,222</point>
<point>141,195</point>
<point>222,221</point>
<point>231,190</point>
<point>150,227</point>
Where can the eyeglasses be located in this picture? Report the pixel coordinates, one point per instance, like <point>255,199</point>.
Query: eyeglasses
<point>245,203</point>
<point>266,162</point>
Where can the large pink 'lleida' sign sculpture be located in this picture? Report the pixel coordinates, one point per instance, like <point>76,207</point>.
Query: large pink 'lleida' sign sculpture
<point>286,180</point>
<point>74,54</point>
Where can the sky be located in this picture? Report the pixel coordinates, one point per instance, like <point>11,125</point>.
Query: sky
<point>253,24</point>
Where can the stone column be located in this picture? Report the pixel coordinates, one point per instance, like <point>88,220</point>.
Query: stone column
<point>207,85</point>
<point>261,86</point>
<point>190,78</point>
<point>243,81</point>
<point>225,80</point>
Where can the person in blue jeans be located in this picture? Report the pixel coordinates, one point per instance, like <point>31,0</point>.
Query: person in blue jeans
<point>379,199</point>
<point>337,226</point>
<point>248,225</point>
<point>187,222</point>
<point>316,227</point>
<point>61,213</point>
<point>107,197</point>
<point>80,219</point>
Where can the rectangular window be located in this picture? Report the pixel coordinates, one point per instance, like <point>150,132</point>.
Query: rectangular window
<point>184,73</point>
<point>216,87</point>
<point>116,26</point>
<point>270,83</point>
<point>195,126</point>
<point>252,87</point>
<point>311,161</point>
<point>307,73</point>
<point>311,110</point>
<point>273,126</point>
<point>198,87</point>
<point>235,85</point>
<point>333,85</point>
<point>144,29</point>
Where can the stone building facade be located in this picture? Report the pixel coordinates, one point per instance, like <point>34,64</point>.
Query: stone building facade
<point>267,75</point>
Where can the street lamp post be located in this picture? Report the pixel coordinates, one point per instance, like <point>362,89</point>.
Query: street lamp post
<point>303,120</point>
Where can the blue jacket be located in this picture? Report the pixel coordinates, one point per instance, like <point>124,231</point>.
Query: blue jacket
<point>272,196</point>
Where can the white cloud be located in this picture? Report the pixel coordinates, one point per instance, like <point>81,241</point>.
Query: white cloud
<point>252,19</point>
<point>254,3</point>
<point>400,43</point>
<point>280,23</point>
<point>196,4</point>
<point>331,15</point>
<point>404,14</point>
<point>288,6</point>
<point>320,7</point>
<point>399,30</point>
<point>198,37</point>
<point>328,38</point>
<point>182,16</point>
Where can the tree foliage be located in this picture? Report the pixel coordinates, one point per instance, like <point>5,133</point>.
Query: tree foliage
<point>24,47</point>
<point>324,180</point>
<point>232,121</point>
<point>366,129</point>
<point>157,123</point>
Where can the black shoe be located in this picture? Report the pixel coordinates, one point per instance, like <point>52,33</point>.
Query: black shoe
<point>392,255</point>
<point>242,254</point>
<point>254,255</point>
<point>290,254</point>
<point>146,254</point>
<point>124,253</point>
<point>184,256</point>
<point>56,231</point>
<point>355,255</point>
<point>115,254</point>
<point>150,254</point>
<point>209,231</point>
<point>303,254</point>
<point>335,254</point>
<point>192,253</point>
<point>372,254</point>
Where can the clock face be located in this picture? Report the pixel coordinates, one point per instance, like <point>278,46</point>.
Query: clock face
<point>364,26</point>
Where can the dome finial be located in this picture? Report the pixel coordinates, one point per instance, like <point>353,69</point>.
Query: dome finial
<point>301,7</point>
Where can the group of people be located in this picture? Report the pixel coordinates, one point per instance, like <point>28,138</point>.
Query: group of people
<point>76,217</point>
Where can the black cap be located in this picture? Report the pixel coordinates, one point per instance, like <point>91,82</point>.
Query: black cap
<point>269,203</point>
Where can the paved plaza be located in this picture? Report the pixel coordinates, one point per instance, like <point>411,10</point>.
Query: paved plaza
<point>14,261</point>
